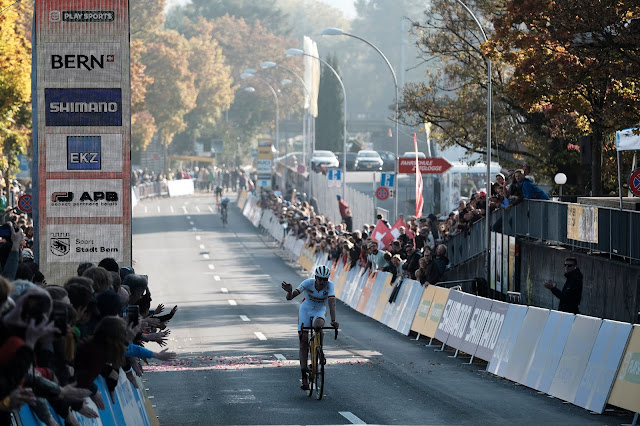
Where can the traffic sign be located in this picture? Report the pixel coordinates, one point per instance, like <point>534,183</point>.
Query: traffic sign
<point>25,203</point>
<point>387,179</point>
<point>427,165</point>
<point>382,193</point>
<point>301,169</point>
<point>634,182</point>
<point>335,177</point>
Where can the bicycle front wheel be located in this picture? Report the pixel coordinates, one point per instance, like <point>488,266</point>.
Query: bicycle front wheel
<point>319,376</point>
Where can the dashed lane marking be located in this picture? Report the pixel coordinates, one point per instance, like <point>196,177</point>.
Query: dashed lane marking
<point>216,277</point>
<point>198,209</point>
<point>172,209</point>
<point>201,246</point>
<point>191,223</point>
<point>184,208</point>
<point>232,302</point>
<point>244,318</point>
<point>158,209</point>
<point>210,209</point>
<point>198,237</point>
<point>280,357</point>
<point>224,290</point>
<point>206,256</point>
<point>351,417</point>
<point>188,217</point>
<point>146,209</point>
<point>211,267</point>
<point>259,335</point>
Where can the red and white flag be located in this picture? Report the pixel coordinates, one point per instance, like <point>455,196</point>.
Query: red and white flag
<point>419,197</point>
<point>382,235</point>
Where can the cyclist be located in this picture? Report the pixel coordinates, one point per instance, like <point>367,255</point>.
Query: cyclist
<point>318,291</point>
<point>218,193</point>
<point>223,207</point>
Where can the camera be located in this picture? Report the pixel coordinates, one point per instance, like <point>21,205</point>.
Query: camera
<point>133,313</point>
<point>5,231</point>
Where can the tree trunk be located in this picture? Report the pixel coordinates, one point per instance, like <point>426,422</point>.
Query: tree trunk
<point>596,162</point>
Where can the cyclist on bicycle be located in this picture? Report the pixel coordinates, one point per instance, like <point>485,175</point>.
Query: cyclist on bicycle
<point>218,193</point>
<point>318,291</point>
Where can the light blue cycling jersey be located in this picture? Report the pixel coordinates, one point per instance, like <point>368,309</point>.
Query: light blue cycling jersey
<point>314,298</point>
<point>314,304</point>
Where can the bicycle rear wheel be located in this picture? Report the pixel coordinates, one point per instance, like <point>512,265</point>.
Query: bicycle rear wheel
<point>319,376</point>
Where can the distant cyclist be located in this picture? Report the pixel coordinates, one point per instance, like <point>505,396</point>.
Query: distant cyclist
<point>223,208</point>
<point>318,291</point>
<point>218,192</point>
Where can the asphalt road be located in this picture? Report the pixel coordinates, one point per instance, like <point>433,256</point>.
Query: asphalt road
<point>236,338</point>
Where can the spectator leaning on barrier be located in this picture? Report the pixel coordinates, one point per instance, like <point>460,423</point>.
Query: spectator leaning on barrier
<point>571,293</point>
<point>412,263</point>
<point>530,190</point>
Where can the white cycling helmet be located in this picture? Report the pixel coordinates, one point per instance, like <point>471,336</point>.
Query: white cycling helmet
<point>322,272</point>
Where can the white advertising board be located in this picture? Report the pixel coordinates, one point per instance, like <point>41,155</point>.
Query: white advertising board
<point>96,197</point>
<point>605,359</point>
<point>83,243</point>
<point>575,357</point>
<point>549,350</point>
<point>507,340</point>
<point>525,347</point>
<point>80,152</point>
<point>80,61</point>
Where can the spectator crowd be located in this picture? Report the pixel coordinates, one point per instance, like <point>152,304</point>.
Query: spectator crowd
<point>56,339</point>
<point>418,248</point>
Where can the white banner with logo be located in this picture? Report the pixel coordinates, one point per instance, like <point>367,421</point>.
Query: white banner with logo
<point>83,243</point>
<point>97,197</point>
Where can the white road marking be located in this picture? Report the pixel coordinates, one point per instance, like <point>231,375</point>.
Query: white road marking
<point>206,256</point>
<point>184,208</point>
<point>201,246</point>
<point>216,277</point>
<point>351,417</point>
<point>188,217</point>
<point>198,209</point>
<point>198,237</point>
<point>259,335</point>
<point>158,209</point>
<point>211,209</point>
<point>211,267</point>
<point>280,357</point>
<point>244,318</point>
<point>224,290</point>
<point>191,223</point>
<point>232,302</point>
<point>172,209</point>
<point>145,209</point>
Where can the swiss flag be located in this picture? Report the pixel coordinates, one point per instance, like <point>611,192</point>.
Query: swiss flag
<point>382,235</point>
<point>395,230</point>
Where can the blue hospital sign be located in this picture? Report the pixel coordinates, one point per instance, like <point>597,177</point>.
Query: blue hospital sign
<point>84,152</point>
<point>83,107</point>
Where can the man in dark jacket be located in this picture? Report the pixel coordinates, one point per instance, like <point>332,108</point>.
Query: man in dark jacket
<point>412,264</point>
<point>571,292</point>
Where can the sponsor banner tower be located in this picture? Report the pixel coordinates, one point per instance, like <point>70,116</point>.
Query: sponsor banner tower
<point>82,128</point>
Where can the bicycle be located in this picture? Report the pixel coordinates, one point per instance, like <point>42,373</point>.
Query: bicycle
<point>223,213</point>
<point>318,361</point>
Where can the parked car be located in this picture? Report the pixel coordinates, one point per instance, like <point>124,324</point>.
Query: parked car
<point>351,159</point>
<point>388,159</point>
<point>326,159</point>
<point>368,160</point>
<point>412,154</point>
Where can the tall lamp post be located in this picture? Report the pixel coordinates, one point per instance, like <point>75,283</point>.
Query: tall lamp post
<point>488,210</point>
<point>270,64</point>
<point>298,52</point>
<point>251,73</point>
<point>338,31</point>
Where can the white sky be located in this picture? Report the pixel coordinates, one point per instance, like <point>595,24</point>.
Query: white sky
<point>345,6</point>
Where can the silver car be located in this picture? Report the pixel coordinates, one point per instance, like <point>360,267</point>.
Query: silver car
<point>368,160</point>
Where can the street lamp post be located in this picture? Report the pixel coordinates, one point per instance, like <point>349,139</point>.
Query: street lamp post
<point>338,31</point>
<point>488,184</point>
<point>270,64</point>
<point>251,73</point>
<point>298,52</point>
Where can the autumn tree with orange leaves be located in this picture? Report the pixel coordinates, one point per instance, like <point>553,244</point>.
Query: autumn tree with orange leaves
<point>576,61</point>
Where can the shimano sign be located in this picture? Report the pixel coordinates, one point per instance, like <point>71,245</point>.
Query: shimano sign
<point>83,107</point>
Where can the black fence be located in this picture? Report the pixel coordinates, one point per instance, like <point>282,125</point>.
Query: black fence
<point>617,230</point>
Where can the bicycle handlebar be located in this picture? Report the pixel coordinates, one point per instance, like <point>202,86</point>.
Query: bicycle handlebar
<point>324,328</point>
